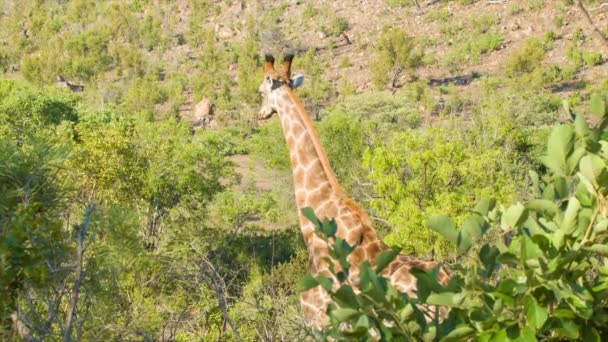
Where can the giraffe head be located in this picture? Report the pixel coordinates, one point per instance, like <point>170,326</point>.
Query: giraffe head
<point>274,81</point>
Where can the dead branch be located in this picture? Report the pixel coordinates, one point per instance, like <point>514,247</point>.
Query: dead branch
<point>605,4</point>
<point>595,29</point>
<point>218,288</point>
<point>81,246</point>
<point>21,329</point>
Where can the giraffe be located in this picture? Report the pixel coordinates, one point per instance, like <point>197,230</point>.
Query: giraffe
<point>316,187</point>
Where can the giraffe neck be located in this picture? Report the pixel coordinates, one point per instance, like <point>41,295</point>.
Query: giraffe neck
<point>315,182</point>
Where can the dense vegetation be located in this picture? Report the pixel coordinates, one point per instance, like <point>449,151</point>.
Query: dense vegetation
<point>120,221</point>
<point>541,276</point>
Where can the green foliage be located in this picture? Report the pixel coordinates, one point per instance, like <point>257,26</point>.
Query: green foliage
<point>24,110</point>
<point>527,60</point>
<point>249,72</point>
<point>309,11</point>
<point>151,32</point>
<point>536,4</point>
<point>579,58</point>
<point>142,96</point>
<point>442,15</point>
<point>396,52</point>
<point>416,175</point>
<point>470,49</point>
<point>544,280</point>
<point>336,25</point>
<point>264,144</point>
<point>552,267</point>
<point>316,88</point>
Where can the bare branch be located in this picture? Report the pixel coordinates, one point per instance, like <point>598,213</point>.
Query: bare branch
<point>80,249</point>
<point>597,31</point>
<point>216,281</point>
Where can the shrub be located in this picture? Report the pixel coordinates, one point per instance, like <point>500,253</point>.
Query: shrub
<point>527,60</point>
<point>442,15</point>
<point>335,26</point>
<point>579,58</point>
<point>396,52</point>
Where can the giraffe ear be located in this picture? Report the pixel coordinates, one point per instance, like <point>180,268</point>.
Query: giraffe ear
<point>296,81</point>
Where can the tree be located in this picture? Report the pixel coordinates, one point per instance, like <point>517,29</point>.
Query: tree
<point>396,53</point>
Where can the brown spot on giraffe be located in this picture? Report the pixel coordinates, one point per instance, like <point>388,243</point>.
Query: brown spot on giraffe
<point>316,186</point>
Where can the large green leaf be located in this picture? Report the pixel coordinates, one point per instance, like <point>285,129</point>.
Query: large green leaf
<point>593,168</point>
<point>515,215</point>
<point>460,333</point>
<point>470,231</point>
<point>597,105</point>
<point>559,147</point>
<point>449,299</point>
<point>343,314</point>
<point>444,226</point>
<point>307,283</point>
<point>384,259</point>
<point>543,206</point>
<point>568,224</point>
<point>485,206</point>
<point>535,314</point>
<point>310,215</point>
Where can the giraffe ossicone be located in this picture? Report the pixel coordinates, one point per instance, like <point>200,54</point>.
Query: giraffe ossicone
<point>317,187</point>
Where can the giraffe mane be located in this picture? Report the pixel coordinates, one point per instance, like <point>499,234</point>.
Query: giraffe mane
<point>331,176</point>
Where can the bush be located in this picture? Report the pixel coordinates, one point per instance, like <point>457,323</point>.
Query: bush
<point>336,26</point>
<point>396,52</point>
<point>544,279</point>
<point>527,60</point>
<point>579,58</point>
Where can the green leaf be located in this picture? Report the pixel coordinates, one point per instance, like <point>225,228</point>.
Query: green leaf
<point>526,335</point>
<point>325,283</point>
<point>600,249</point>
<point>575,157</point>
<point>362,325</point>
<point>343,314</point>
<point>597,105</point>
<point>345,297</point>
<point>581,126</point>
<point>514,216</point>
<point>543,206</point>
<point>487,255</point>
<point>559,147</point>
<point>590,334</point>
<point>593,168</point>
<point>471,230</point>
<point>449,299</point>
<point>310,215</point>
<point>307,283</point>
<point>567,328</point>
<point>535,314</point>
<point>444,226</point>
<point>460,333</point>
<point>385,258</point>
<point>569,222</point>
<point>529,250</point>
<point>485,206</point>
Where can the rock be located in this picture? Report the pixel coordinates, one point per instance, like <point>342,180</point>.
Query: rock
<point>322,35</point>
<point>223,32</point>
<point>203,112</point>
